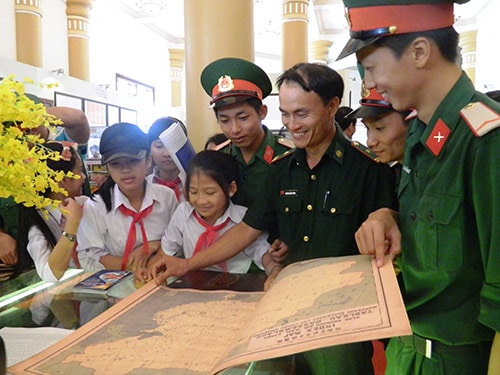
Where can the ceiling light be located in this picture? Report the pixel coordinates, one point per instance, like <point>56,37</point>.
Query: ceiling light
<point>152,6</point>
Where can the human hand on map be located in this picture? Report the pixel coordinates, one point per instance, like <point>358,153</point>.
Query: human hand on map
<point>278,250</point>
<point>379,235</point>
<point>166,266</point>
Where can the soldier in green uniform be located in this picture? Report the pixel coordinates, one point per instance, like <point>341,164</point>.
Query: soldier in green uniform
<point>237,88</point>
<point>318,197</point>
<point>448,225</point>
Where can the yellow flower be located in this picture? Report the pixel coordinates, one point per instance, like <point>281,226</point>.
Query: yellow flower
<point>24,174</point>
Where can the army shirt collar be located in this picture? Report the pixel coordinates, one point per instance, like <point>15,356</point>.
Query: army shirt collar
<point>448,111</point>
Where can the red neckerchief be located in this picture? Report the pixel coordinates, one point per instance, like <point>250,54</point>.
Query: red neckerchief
<point>209,236</point>
<point>136,218</point>
<point>174,185</point>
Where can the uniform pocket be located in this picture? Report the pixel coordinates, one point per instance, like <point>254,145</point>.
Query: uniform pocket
<point>440,231</point>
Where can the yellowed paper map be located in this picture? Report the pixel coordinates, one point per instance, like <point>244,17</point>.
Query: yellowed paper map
<point>312,304</point>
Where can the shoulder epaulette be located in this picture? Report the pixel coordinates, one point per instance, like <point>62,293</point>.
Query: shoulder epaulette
<point>286,142</point>
<point>220,146</point>
<point>480,118</point>
<point>283,155</point>
<point>365,151</point>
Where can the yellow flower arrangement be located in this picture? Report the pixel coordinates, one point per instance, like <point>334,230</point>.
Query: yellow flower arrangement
<point>24,174</point>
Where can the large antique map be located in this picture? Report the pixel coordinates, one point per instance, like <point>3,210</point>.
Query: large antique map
<point>312,304</point>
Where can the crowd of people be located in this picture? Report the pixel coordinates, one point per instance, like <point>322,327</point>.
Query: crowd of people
<point>423,193</point>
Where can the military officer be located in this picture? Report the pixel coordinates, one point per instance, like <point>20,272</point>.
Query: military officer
<point>318,197</point>
<point>448,223</point>
<point>386,128</point>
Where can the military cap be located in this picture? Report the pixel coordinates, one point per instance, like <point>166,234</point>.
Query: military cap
<point>232,80</point>
<point>372,105</point>
<point>370,20</point>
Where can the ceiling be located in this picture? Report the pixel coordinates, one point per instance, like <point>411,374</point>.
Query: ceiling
<point>326,21</point>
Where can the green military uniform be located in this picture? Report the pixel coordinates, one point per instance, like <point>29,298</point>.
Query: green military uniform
<point>255,173</point>
<point>451,233</point>
<point>229,81</point>
<point>317,211</point>
<point>448,215</point>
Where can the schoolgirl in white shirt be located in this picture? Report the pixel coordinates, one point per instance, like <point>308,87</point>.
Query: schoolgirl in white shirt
<point>208,212</point>
<point>165,171</point>
<point>48,241</point>
<point>123,222</point>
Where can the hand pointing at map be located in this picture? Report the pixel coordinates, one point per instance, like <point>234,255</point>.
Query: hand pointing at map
<point>167,266</point>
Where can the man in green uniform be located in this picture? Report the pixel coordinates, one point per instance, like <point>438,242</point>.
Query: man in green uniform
<point>448,224</point>
<point>318,197</point>
<point>237,88</point>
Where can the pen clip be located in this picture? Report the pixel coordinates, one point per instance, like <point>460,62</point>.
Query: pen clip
<point>327,193</point>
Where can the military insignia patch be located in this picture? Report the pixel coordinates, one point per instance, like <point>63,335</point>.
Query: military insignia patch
<point>365,151</point>
<point>438,137</point>
<point>480,118</point>
<point>225,84</point>
<point>268,154</point>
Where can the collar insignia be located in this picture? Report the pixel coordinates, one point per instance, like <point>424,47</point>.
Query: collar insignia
<point>438,137</point>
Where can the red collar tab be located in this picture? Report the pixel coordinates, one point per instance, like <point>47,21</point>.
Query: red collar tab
<point>268,154</point>
<point>438,137</point>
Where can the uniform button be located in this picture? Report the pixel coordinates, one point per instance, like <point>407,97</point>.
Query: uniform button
<point>306,238</point>
<point>287,209</point>
<point>313,177</point>
<point>430,215</point>
<point>338,153</point>
<point>309,207</point>
<point>413,215</point>
<point>333,210</point>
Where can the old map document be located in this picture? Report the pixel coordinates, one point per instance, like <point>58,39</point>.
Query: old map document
<point>157,330</point>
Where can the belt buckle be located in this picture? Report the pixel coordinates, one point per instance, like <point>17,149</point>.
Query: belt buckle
<point>428,348</point>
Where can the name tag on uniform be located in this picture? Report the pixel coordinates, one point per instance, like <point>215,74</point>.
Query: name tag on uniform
<point>289,193</point>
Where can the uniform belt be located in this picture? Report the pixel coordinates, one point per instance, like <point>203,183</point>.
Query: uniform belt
<point>426,347</point>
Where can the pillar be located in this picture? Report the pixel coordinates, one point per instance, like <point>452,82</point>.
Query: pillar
<point>29,32</point>
<point>318,51</point>
<point>294,32</point>
<point>468,45</point>
<point>176,66</point>
<point>77,14</point>
<point>213,29</point>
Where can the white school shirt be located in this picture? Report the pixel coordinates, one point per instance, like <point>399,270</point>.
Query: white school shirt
<point>38,247</point>
<point>105,233</point>
<point>184,230</point>
<point>150,178</point>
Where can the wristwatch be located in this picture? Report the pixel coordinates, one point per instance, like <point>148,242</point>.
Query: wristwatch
<point>71,237</point>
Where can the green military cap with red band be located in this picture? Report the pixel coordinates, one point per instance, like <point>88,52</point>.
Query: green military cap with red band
<point>232,80</point>
<point>370,20</point>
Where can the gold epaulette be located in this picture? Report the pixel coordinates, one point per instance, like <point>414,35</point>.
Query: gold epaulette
<point>480,118</point>
<point>286,142</point>
<point>220,146</point>
<point>282,156</point>
<point>365,151</point>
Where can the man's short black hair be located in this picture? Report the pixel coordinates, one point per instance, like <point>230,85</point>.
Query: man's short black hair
<point>320,78</point>
<point>446,39</point>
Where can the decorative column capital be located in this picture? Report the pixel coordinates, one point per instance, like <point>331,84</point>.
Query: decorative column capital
<point>31,6</point>
<point>318,51</point>
<point>295,10</point>
<point>176,57</point>
<point>77,13</point>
